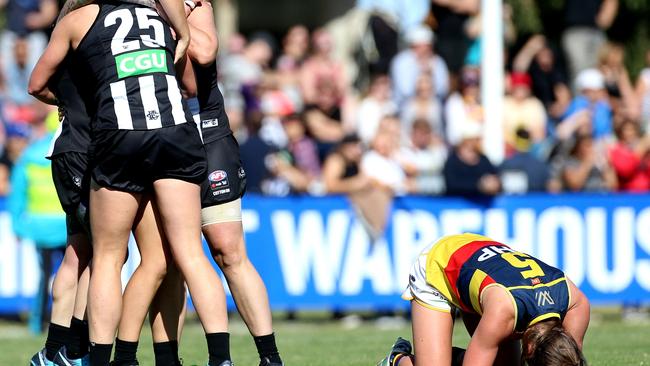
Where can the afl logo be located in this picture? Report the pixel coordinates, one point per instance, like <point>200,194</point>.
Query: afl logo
<point>217,176</point>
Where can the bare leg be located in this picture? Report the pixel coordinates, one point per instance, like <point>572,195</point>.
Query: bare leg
<point>178,202</point>
<point>82,295</point>
<point>64,288</point>
<point>111,218</point>
<point>146,279</point>
<point>167,312</point>
<point>432,333</point>
<point>227,244</point>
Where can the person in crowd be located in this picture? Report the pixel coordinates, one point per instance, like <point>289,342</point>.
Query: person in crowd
<point>611,63</point>
<point>22,42</point>
<point>412,62</point>
<point>549,83</point>
<point>630,158</point>
<point>642,91</point>
<point>342,168</point>
<point>294,48</point>
<point>387,20</point>
<point>464,106</point>
<point>255,155</point>
<point>522,110</point>
<point>36,214</point>
<point>375,106</point>
<point>324,118</point>
<point>448,19</point>
<point>242,73</point>
<point>590,109</point>
<point>523,172</point>
<point>302,148</point>
<point>5,172</point>
<point>274,106</point>
<point>321,68</point>
<point>474,30</point>
<point>382,164</point>
<point>422,106</point>
<point>587,170</point>
<point>425,158</point>
<point>467,171</point>
<point>18,136</point>
<point>585,24</point>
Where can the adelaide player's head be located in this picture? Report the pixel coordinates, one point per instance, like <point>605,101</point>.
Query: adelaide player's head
<point>547,343</point>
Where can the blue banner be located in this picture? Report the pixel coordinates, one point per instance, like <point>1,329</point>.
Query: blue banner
<point>315,252</point>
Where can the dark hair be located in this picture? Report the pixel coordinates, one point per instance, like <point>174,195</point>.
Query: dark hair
<point>547,343</point>
<point>618,130</point>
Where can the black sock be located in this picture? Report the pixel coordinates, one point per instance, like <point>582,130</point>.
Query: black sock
<point>125,352</point>
<point>457,355</point>
<point>78,345</point>
<point>218,348</point>
<point>100,354</point>
<point>57,337</point>
<point>266,347</point>
<point>166,353</point>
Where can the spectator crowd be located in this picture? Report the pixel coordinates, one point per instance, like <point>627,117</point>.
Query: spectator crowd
<point>396,106</point>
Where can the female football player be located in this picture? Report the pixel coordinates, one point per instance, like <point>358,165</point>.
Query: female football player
<point>504,296</point>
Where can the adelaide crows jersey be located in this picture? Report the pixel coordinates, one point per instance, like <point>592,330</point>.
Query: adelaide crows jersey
<point>462,266</point>
<point>129,54</point>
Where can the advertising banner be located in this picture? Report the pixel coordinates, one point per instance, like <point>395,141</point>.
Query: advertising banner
<point>315,252</point>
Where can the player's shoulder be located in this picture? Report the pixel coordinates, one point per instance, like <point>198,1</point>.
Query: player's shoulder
<point>83,13</point>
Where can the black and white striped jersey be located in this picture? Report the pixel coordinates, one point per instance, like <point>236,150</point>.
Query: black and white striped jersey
<point>129,53</point>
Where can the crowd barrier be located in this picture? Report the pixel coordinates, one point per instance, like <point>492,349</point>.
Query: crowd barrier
<point>314,253</point>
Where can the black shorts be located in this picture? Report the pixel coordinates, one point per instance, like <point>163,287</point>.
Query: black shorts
<point>226,178</point>
<point>131,160</point>
<point>71,179</point>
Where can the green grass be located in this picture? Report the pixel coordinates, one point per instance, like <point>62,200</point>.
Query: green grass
<point>320,342</point>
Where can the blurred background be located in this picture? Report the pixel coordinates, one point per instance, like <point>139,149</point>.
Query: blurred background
<point>370,128</point>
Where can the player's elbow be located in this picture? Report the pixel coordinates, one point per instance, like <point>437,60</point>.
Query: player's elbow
<point>204,56</point>
<point>205,52</point>
<point>35,89</point>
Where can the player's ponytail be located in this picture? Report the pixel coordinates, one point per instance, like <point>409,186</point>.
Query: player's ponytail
<point>547,343</point>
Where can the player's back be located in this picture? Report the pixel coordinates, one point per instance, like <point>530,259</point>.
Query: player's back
<point>128,55</point>
<point>465,265</point>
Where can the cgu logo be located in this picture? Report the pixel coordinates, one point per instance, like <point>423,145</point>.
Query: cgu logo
<point>141,62</point>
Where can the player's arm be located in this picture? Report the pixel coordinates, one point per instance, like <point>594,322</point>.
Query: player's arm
<point>50,60</point>
<point>576,319</point>
<point>175,13</point>
<point>496,325</point>
<point>205,44</point>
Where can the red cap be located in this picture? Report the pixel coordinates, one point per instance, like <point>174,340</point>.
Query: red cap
<point>520,79</point>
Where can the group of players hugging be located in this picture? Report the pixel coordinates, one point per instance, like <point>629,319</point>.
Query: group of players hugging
<point>145,147</point>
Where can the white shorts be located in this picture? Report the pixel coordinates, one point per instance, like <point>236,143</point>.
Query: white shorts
<point>420,291</point>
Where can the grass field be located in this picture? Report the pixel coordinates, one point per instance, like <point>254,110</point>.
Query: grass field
<point>321,342</point>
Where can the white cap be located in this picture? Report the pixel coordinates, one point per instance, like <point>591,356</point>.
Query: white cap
<point>471,130</point>
<point>420,34</point>
<point>590,79</point>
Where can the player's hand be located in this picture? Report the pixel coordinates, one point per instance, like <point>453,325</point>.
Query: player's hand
<point>181,48</point>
